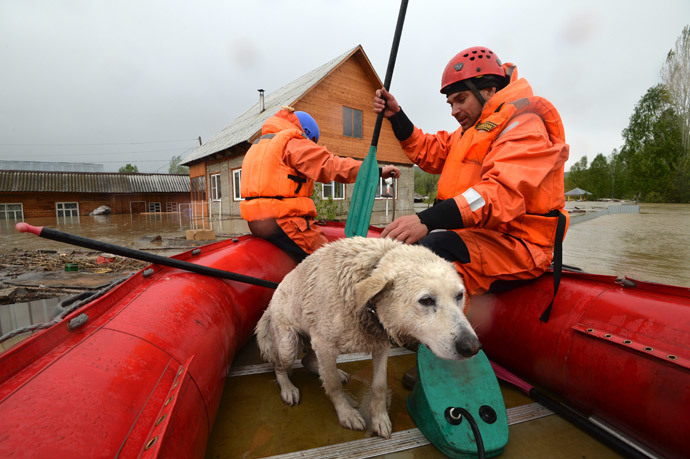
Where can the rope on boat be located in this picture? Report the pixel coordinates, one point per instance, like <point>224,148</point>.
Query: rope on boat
<point>67,306</point>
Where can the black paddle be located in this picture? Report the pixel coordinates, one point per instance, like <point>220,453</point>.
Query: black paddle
<point>80,241</point>
<point>364,192</point>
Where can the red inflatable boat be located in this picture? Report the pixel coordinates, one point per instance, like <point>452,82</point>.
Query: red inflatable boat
<point>139,371</point>
<point>616,349</point>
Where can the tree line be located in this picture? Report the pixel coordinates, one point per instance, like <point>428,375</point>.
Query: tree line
<point>653,164</point>
<point>174,167</point>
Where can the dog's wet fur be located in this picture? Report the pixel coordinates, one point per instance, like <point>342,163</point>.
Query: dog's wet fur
<point>357,295</point>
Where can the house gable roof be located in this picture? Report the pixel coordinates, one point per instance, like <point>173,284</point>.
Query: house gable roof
<point>247,126</point>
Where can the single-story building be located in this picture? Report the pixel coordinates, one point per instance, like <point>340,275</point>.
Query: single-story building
<point>339,95</point>
<point>27,194</point>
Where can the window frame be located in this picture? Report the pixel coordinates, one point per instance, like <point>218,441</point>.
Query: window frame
<point>216,194</point>
<point>237,184</point>
<point>60,207</point>
<point>382,186</point>
<point>333,185</point>
<point>5,212</point>
<point>353,123</point>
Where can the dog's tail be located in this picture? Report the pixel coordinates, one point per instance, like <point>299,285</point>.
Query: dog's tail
<point>263,338</point>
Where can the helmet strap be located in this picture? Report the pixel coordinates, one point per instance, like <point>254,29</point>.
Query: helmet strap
<point>475,91</point>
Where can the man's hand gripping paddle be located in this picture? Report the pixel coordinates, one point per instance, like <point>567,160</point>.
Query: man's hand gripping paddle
<point>367,181</point>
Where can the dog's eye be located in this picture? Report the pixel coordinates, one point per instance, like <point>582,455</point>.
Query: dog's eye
<point>459,296</point>
<point>427,300</point>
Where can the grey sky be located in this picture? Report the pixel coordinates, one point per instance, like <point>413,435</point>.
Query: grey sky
<point>116,82</point>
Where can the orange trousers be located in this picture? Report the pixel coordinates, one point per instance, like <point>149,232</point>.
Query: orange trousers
<point>299,238</point>
<point>482,256</point>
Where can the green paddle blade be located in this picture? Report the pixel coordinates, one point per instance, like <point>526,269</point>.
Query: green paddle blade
<point>363,196</point>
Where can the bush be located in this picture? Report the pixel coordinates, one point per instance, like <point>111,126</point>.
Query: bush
<point>654,196</point>
<point>326,209</point>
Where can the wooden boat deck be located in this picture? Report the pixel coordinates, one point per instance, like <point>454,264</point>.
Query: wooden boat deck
<point>252,420</point>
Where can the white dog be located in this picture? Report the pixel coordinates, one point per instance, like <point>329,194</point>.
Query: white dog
<point>356,295</point>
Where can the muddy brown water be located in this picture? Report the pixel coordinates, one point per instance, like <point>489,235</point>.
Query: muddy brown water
<point>653,245</point>
<point>134,231</point>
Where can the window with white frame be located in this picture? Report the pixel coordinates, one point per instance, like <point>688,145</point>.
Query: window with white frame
<point>215,187</point>
<point>12,211</point>
<point>154,206</point>
<point>386,191</point>
<point>236,184</point>
<point>333,190</point>
<point>67,209</point>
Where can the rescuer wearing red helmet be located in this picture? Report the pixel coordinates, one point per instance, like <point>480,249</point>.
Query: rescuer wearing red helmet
<point>499,214</point>
<point>278,175</point>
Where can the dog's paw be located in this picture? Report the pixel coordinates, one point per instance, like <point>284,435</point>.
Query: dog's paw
<point>290,395</point>
<point>381,425</point>
<point>352,420</point>
<point>344,376</point>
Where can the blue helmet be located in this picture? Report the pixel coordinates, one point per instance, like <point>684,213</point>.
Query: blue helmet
<point>309,125</point>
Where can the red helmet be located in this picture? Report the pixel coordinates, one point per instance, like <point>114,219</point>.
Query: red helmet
<point>470,63</point>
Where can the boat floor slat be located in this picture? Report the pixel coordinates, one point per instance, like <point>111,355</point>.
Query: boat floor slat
<point>400,441</point>
<point>268,367</point>
<point>253,421</point>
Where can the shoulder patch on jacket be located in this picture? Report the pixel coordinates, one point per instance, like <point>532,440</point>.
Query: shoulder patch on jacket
<point>486,126</point>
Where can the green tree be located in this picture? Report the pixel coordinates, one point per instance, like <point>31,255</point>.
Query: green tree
<point>425,184</point>
<point>653,147</point>
<point>599,177</point>
<point>129,169</point>
<point>326,209</point>
<point>577,177</point>
<point>618,175</point>
<point>676,76</point>
<point>176,167</point>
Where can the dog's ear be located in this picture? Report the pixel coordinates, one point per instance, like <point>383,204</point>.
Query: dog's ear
<point>368,288</point>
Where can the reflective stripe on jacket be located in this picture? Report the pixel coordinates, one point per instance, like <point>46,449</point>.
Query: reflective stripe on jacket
<point>506,172</point>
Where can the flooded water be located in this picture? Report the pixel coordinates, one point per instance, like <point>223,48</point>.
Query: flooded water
<point>129,230</point>
<point>20,315</point>
<point>653,245</point>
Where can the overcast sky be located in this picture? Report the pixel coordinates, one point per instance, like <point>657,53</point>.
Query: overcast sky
<point>116,82</point>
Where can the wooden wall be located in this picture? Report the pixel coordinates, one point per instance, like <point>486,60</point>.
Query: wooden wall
<point>352,84</point>
<point>43,204</point>
<point>349,85</point>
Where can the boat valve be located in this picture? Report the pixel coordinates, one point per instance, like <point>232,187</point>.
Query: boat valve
<point>77,322</point>
<point>453,415</point>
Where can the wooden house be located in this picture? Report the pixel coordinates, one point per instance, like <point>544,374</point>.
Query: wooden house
<point>28,194</point>
<point>339,95</point>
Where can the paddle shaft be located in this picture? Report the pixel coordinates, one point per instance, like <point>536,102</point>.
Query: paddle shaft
<point>364,192</point>
<point>389,70</point>
<point>80,241</point>
<point>570,415</point>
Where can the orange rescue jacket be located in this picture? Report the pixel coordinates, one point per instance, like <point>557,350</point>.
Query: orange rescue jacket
<point>506,172</point>
<point>271,188</point>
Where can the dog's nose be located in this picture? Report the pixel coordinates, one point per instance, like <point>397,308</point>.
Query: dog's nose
<point>467,346</point>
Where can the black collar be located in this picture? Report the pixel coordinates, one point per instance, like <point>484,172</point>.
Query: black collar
<point>371,309</point>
